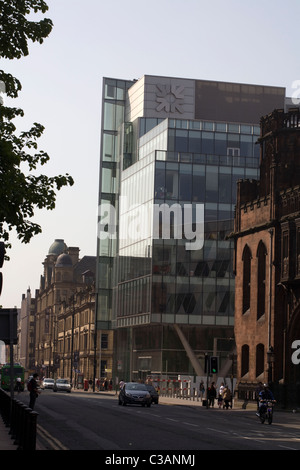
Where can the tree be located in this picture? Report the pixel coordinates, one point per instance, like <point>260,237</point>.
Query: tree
<point>21,190</point>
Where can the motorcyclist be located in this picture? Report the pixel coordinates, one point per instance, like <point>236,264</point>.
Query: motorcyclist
<point>264,395</point>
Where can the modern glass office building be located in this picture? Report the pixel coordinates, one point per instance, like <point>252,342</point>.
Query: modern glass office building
<point>172,151</point>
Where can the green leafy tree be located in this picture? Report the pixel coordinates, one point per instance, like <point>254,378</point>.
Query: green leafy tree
<point>21,190</point>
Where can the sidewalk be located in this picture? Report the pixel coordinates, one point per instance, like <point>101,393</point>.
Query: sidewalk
<point>7,443</point>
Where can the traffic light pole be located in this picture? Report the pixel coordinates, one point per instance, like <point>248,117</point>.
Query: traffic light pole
<point>211,367</point>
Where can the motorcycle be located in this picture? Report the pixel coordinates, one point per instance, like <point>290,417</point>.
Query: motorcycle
<point>266,411</point>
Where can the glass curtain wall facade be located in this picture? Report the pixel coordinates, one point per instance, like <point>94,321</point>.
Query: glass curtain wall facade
<point>148,285</point>
<point>113,109</point>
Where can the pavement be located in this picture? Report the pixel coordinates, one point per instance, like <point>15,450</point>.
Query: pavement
<point>7,443</point>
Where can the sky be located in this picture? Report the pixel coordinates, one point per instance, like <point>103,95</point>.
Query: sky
<point>237,41</point>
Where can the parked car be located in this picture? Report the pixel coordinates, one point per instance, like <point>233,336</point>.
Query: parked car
<point>47,383</point>
<point>153,393</point>
<point>134,393</point>
<point>62,385</point>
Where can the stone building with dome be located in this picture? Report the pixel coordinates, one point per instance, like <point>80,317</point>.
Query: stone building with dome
<point>65,344</point>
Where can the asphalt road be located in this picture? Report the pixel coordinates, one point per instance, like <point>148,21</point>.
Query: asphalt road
<point>87,421</point>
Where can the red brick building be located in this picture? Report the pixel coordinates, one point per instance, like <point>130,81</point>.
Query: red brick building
<point>267,261</point>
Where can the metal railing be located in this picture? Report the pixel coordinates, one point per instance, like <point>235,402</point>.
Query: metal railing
<point>21,421</point>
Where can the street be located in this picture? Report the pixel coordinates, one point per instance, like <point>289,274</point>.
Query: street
<point>87,421</point>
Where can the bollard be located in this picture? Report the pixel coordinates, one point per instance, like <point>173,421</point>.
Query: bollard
<point>21,425</point>
<point>30,443</point>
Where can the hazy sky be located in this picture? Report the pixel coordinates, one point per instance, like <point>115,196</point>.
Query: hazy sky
<point>240,41</point>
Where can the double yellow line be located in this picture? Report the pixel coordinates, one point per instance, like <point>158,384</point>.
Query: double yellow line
<point>53,443</point>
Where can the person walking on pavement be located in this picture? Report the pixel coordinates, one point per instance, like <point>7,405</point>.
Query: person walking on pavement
<point>201,390</point>
<point>220,395</point>
<point>227,397</point>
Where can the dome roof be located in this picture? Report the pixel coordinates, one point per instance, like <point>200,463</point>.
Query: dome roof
<point>64,261</point>
<point>57,247</point>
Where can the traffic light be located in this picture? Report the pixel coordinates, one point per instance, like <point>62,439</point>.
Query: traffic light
<point>214,364</point>
<point>2,253</point>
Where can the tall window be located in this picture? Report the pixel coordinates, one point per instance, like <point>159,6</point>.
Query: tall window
<point>245,360</point>
<point>260,354</point>
<point>246,278</point>
<point>261,279</point>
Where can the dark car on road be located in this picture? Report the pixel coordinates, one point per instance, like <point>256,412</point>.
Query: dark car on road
<point>133,393</point>
<point>153,393</point>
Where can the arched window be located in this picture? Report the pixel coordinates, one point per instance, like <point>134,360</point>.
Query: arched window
<point>260,359</point>
<point>246,278</point>
<point>261,279</point>
<point>245,360</point>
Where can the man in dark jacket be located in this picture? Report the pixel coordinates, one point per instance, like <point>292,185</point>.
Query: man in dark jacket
<point>33,390</point>
<point>211,394</point>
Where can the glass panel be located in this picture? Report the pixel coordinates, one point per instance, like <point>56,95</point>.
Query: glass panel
<point>246,129</point>
<point>108,152</point>
<point>233,128</point>
<point>209,294</point>
<point>221,126</point>
<point>198,183</point>
<point>221,144</point>
<point>171,140</point>
<point>109,115</point>
<point>110,89</point>
<point>233,141</point>
<point>185,182</point>
<point>181,141</point>
<point>119,116</point>
<point>194,141</point>
<point>208,126</point>
<point>211,184</point>
<point>172,181</point>
<point>108,180</point>
<point>225,188</point>
<point>207,142</point>
<point>246,146</point>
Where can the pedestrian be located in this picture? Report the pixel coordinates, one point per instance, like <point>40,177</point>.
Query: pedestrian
<point>201,390</point>
<point>220,395</point>
<point>227,397</point>
<point>211,395</point>
<point>33,390</point>
<point>90,384</point>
